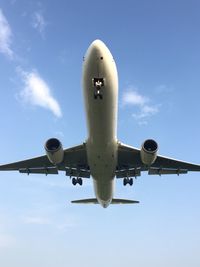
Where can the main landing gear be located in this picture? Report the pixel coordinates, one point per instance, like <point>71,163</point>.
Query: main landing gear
<point>77,180</point>
<point>128,181</point>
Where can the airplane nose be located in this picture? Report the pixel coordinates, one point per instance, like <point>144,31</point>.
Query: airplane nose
<point>97,44</point>
<point>96,49</point>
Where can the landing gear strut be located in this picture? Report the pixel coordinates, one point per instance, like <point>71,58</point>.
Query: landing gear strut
<point>128,181</point>
<point>77,180</point>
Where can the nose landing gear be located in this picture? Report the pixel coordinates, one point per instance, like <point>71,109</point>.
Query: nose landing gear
<point>98,84</point>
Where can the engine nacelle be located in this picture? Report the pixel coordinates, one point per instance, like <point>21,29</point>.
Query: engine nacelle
<point>148,152</point>
<point>54,151</point>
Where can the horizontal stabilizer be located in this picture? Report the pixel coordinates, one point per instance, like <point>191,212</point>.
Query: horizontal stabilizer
<point>95,201</point>
<point>124,201</point>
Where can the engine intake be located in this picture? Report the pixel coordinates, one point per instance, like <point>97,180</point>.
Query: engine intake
<point>149,151</point>
<point>54,151</point>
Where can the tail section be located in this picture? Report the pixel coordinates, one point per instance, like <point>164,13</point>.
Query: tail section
<point>114,201</point>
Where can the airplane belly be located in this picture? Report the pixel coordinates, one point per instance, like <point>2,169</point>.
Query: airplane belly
<point>101,113</point>
<point>100,89</point>
<point>104,191</point>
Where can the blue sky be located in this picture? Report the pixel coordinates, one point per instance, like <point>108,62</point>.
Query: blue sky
<point>156,45</point>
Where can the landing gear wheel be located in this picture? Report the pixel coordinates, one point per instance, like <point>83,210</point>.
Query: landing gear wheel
<point>80,181</point>
<point>74,181</point>
<point>125,181</point>
<point>128,181</point>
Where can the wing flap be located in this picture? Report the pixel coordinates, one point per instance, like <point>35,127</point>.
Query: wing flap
<point>77,173</point>
<point>157,171</point>
<point>46,171</point>
<point>128,173</point>
<point>75,157</point>
<point>169,163</point>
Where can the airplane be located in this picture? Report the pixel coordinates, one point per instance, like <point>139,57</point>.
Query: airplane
<point>102,156</point>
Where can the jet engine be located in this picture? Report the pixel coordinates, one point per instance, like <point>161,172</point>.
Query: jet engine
<point>148,152</point>
<point>54,151</point>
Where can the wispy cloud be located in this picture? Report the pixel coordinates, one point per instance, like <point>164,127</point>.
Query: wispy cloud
<point>37,92</point>
<point>39,23</point>
<point>36,220</point>
<point>51,182</point>
<point>163,89</point>
<point>132,97</point>
<point>146,111</point>
<point>6,241</point>
<point>59,134</point>
<point>5,36</point>
<point>141,102</point>
<point>65,223</point>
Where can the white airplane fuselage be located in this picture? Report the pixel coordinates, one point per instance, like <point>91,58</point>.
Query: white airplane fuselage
<point>100,89</point>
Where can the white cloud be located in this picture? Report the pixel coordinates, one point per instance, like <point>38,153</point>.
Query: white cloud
<point>5,36</point>
<point>65,223</point>
<point>132,97</point>
<point>7,239</point>
<point>39,22</point>
<point>146,111</point>
<point>37,93</point>
<point>51,182</point>
<point>36,220</point>
<point>163,89</point>
<point>59,134</point>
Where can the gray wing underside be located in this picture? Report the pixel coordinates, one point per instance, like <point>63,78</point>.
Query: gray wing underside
<point>130,164</point>
<point>74,164</point>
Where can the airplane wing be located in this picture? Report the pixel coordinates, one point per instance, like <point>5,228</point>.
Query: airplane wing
<point>74,164</point>
<point>130,164</point>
